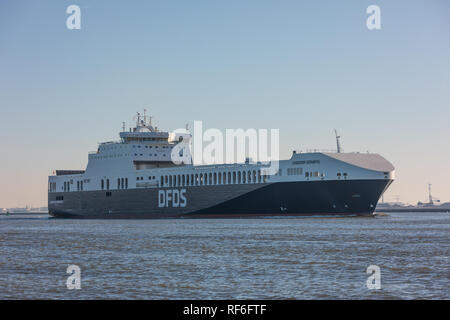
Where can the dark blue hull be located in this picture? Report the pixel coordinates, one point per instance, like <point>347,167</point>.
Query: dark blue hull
<point>339,197</point>
<point>347,197</point>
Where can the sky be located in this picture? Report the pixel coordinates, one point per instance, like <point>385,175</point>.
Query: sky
<point>303,67</point>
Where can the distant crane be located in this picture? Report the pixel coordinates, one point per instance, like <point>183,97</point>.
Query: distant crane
<point>430,197</point>
<point>338,143</point>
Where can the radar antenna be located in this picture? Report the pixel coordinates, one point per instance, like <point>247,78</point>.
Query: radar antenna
<point>138,119</point>
<point>143,121</point>
<point>338,142</point>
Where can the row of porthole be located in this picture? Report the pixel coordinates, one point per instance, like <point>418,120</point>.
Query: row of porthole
<point>111,156</point>
<point>156,147</point>
<point>141,155</point>
<point>149,178</point>
<point>220,178</point>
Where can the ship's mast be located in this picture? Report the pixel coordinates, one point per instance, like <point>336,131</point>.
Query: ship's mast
<point>338,143</point>
<point>143,122</point>
<point>138,120</point>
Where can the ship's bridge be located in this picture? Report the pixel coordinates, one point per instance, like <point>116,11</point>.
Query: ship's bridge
<point>142,147</point>
<point>144,132</point>
<point>150,136</point>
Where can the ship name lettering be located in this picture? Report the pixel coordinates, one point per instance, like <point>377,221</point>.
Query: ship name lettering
<point>172,198</point>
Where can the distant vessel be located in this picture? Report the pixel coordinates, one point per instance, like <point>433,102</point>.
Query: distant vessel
<point>26,210</point>
<point>136,178</point>
<point>429,206</point>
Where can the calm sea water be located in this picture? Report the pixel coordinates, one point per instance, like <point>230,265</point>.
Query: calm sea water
<point>289,258</point>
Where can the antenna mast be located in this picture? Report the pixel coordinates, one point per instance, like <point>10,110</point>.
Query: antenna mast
<point>338,143</point>
<point>138,120</point>
<point>430,197</point>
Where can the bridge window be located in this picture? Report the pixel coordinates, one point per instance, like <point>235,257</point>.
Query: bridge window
<point>103,184</point>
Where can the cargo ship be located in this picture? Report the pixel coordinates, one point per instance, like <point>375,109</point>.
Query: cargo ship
<point>136,177</point>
